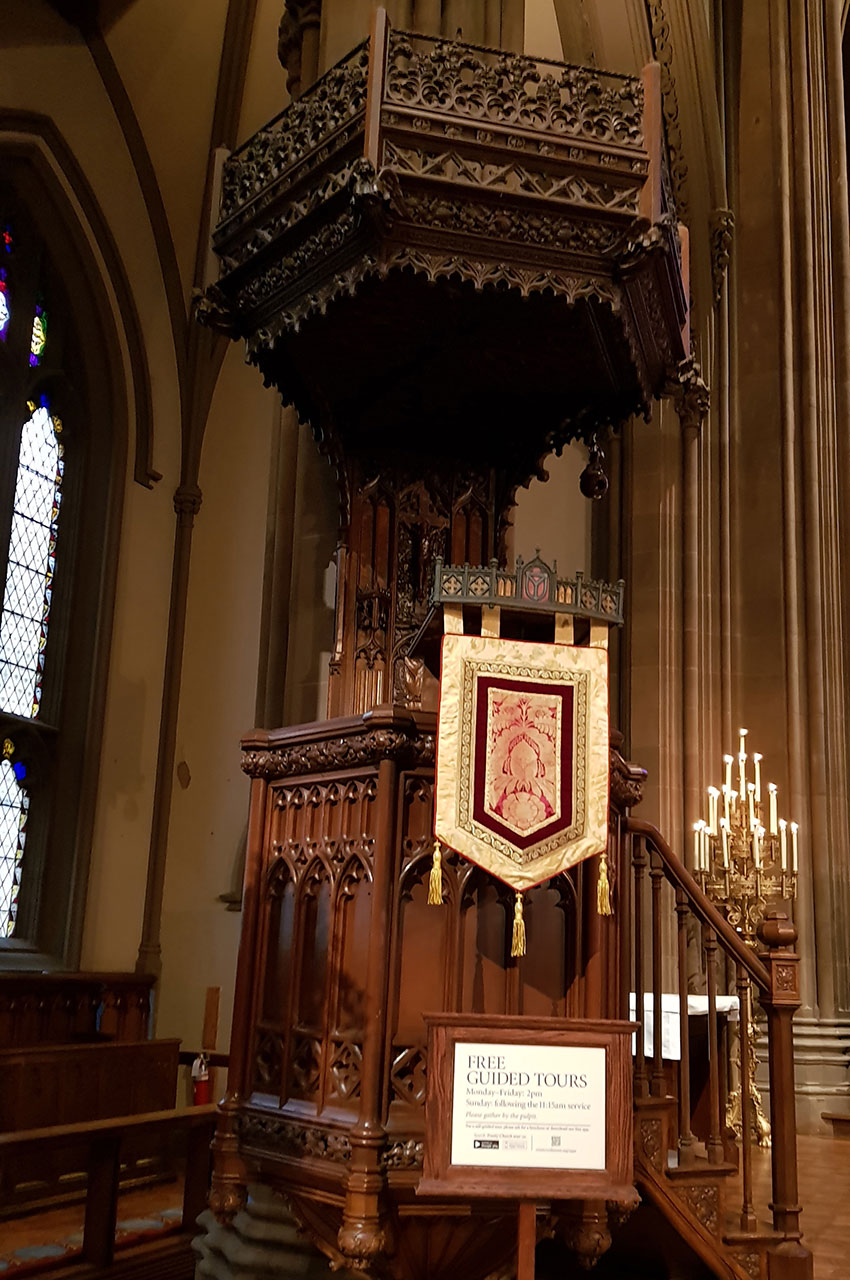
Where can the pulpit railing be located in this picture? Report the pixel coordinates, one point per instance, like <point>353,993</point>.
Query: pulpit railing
<point>705,943</point>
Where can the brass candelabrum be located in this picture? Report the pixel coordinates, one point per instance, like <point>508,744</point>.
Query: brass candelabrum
<point>745,859</point>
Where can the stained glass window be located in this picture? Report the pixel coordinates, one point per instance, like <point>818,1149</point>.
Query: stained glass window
<point>14,805</point>
<point>32,553</point>
<point>39,336</point>
<point>5,312</point>
<point>5,307</point>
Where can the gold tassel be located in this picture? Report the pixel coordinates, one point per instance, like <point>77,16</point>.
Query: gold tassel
<point>435,880</point>
<point>518,939</point>
<point>603,888</point>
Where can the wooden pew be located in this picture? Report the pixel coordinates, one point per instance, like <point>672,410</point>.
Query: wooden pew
<point>103,1143</point>
<point>64,1008</point>
<point>79,1084</point>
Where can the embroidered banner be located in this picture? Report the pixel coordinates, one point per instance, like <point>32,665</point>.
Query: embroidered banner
<point>522,755</point>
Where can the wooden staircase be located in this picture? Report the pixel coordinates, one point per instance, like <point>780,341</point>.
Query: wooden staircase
<point>703,1186</point>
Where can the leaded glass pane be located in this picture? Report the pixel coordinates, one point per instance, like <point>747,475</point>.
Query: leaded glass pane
<point>29,575</point>
<point>39,336</point>
<point>14,803</point>
<point>5,313</point>
<point>5,307</point>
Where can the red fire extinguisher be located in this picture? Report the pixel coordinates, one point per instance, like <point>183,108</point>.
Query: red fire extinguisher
<point>201,1080</point>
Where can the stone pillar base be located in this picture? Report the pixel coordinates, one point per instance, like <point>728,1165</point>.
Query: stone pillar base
<point>821,1070</point>
<point>263,1243</point>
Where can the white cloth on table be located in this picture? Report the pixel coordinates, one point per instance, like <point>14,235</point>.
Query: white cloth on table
<point>671,1042</point>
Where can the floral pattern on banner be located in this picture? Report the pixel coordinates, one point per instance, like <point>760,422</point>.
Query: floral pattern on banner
<point>522,755</point>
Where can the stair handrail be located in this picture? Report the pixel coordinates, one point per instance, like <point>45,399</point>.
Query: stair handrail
<point>701,905</point>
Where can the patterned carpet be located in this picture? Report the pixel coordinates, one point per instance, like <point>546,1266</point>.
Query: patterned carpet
<point>29,1245</point>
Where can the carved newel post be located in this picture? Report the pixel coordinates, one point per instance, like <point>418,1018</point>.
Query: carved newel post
<point>778,935</point>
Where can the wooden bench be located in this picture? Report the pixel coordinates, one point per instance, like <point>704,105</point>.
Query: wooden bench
<point>79,1084</point>
<point>103,1144</point>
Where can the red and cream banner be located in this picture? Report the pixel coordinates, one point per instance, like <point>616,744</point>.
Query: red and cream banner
<point>522,755</point>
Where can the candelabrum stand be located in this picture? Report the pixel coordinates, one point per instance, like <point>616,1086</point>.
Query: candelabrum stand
<point>746,860</point>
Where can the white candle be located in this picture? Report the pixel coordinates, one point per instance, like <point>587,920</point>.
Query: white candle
<point>697,843</point>
<point>757,759</point>
<point>742,734</point>
<point>724,837</point>
<point>712,809</point>
<point>794,830</point>
<point>742,775</point>
<point>751,791</point>
<point>756,848</point>
<point>728,761</point>
<point>783,843</point>
<point>771,789</point>
<point>726,801</point>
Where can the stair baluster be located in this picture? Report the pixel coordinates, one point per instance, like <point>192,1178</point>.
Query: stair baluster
<point>641,1077</point>
<point>686,1137</point>
<point>715,1139</point>
<point>692,1193</point>
<point>748,1217</point>
<point>659,1080</point>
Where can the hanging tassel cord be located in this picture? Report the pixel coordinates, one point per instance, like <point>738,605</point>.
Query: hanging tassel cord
<point>603,888</point>
<point>435,880</point>
<point>518,937</point>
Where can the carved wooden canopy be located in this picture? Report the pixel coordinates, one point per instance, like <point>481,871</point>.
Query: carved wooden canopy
<point>442,238</point>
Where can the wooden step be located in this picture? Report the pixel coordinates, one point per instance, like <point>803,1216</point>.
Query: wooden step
<point>839,1121</point>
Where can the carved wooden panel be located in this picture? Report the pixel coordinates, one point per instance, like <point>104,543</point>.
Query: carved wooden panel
<point>315,921</point>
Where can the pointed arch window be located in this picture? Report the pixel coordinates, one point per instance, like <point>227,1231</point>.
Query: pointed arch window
<point>32,468</point>
<point>62,469</point>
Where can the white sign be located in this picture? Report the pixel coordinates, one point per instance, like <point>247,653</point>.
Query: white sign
<point>532,1106</point>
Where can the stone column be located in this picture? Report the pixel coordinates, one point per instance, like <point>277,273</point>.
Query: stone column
<point>798,645</point>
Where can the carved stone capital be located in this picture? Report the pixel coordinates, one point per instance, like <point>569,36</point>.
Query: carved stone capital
<point>690,394</point>
<point>187,500</point>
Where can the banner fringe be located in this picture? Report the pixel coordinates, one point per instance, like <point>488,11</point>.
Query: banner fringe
<point>603,889</point>
<point>518,938</point>
<point>435,880</point>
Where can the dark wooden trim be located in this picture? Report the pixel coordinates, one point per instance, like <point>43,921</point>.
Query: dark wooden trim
<point>701,906</point>
<point>442,1177</point>
<point>55,1135</point>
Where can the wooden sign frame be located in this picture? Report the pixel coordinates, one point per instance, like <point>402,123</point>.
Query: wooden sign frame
<point>517,1182</point>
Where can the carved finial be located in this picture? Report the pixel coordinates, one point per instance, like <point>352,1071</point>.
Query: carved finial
<point>722,227</point>
<point>593,481</point>
<point>691,394</point>
<point>776,930</point>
